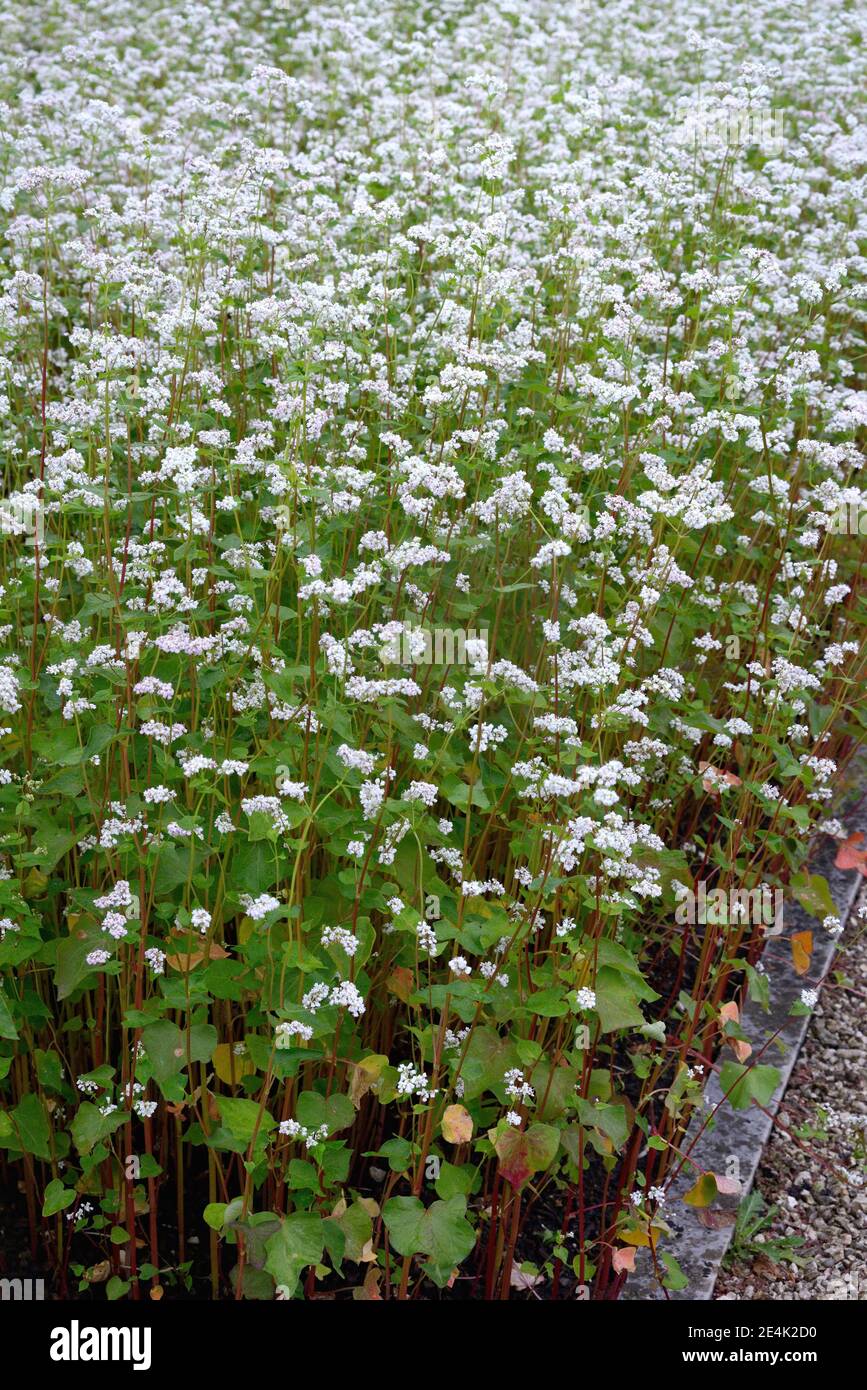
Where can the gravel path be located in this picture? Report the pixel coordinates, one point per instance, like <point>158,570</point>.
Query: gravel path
<point>807,1180</point>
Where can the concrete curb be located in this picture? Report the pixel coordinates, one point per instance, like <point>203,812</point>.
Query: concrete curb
<point>744,1133</point>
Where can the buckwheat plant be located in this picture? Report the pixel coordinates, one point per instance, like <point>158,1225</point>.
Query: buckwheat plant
<point>328,965</point>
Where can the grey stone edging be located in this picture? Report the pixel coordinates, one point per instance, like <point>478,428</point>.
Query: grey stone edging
<point>744,1133</point>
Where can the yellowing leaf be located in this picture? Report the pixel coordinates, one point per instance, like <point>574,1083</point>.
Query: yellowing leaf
<point>703,1191</point>
<point>730,1013</point>
<point>245,930</point>
<point>457,1125</point>
<point>636,1235</point>
<point>369,1290</point>
<point>802,950</point>
<point>229,1066</point>
<point>34,884</point>
<point>365,1074</point>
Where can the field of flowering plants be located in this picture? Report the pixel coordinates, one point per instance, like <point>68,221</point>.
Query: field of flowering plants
<point>430,627</point>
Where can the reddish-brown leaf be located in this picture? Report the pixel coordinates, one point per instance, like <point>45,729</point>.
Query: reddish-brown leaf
<point>624,1258</point>
<point>711,782</point>
<point>716,1220</point>
<point>400,983</point>
<point>850,856</point>
<point>729,1187</point>
<point>525,1151</point>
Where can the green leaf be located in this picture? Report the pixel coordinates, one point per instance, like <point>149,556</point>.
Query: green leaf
<point>616,1001</point>
<point>214,1213</point>
<point>655,1031</point>
<point>456,1180</point>
<point>101,736</point>
<point>677,1089</point>
<point>610,1119</point>
<point>555,1088</point>
<point>487,1060</point>
<point>814,895</point>
<point>7,1025</point>
<point>48,1070</point>
<point>458,793</point>
<point>31,1128</point>
<point>404,1219</point>
<point>313,1110</point>
<point>743,1085</point>
<point>173,868</point>
<point>759,987</point>
<point>675,1278</point>
<point>548,1003</point>
<point>357,1227</point>
<point>256,1283</point>
<point>71,966</point>
<point>164,1044</point>
<point>240,1118</point>
<point>335,1243</point>
<point>398,1151</point>
<point>255,867</point>
<point>440,1231</point>
<point>57,1197</point>
<point>799,814</point>
<point>54,844</point>
<point>89,1127</point>
<point>613,954</point>
<point>166,1047</point>
<point>299,1243</point>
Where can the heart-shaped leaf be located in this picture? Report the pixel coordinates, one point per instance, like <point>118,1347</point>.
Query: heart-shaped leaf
<point>523,1152</point>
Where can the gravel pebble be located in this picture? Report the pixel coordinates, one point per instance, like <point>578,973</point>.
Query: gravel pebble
<point>809,1185</point>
